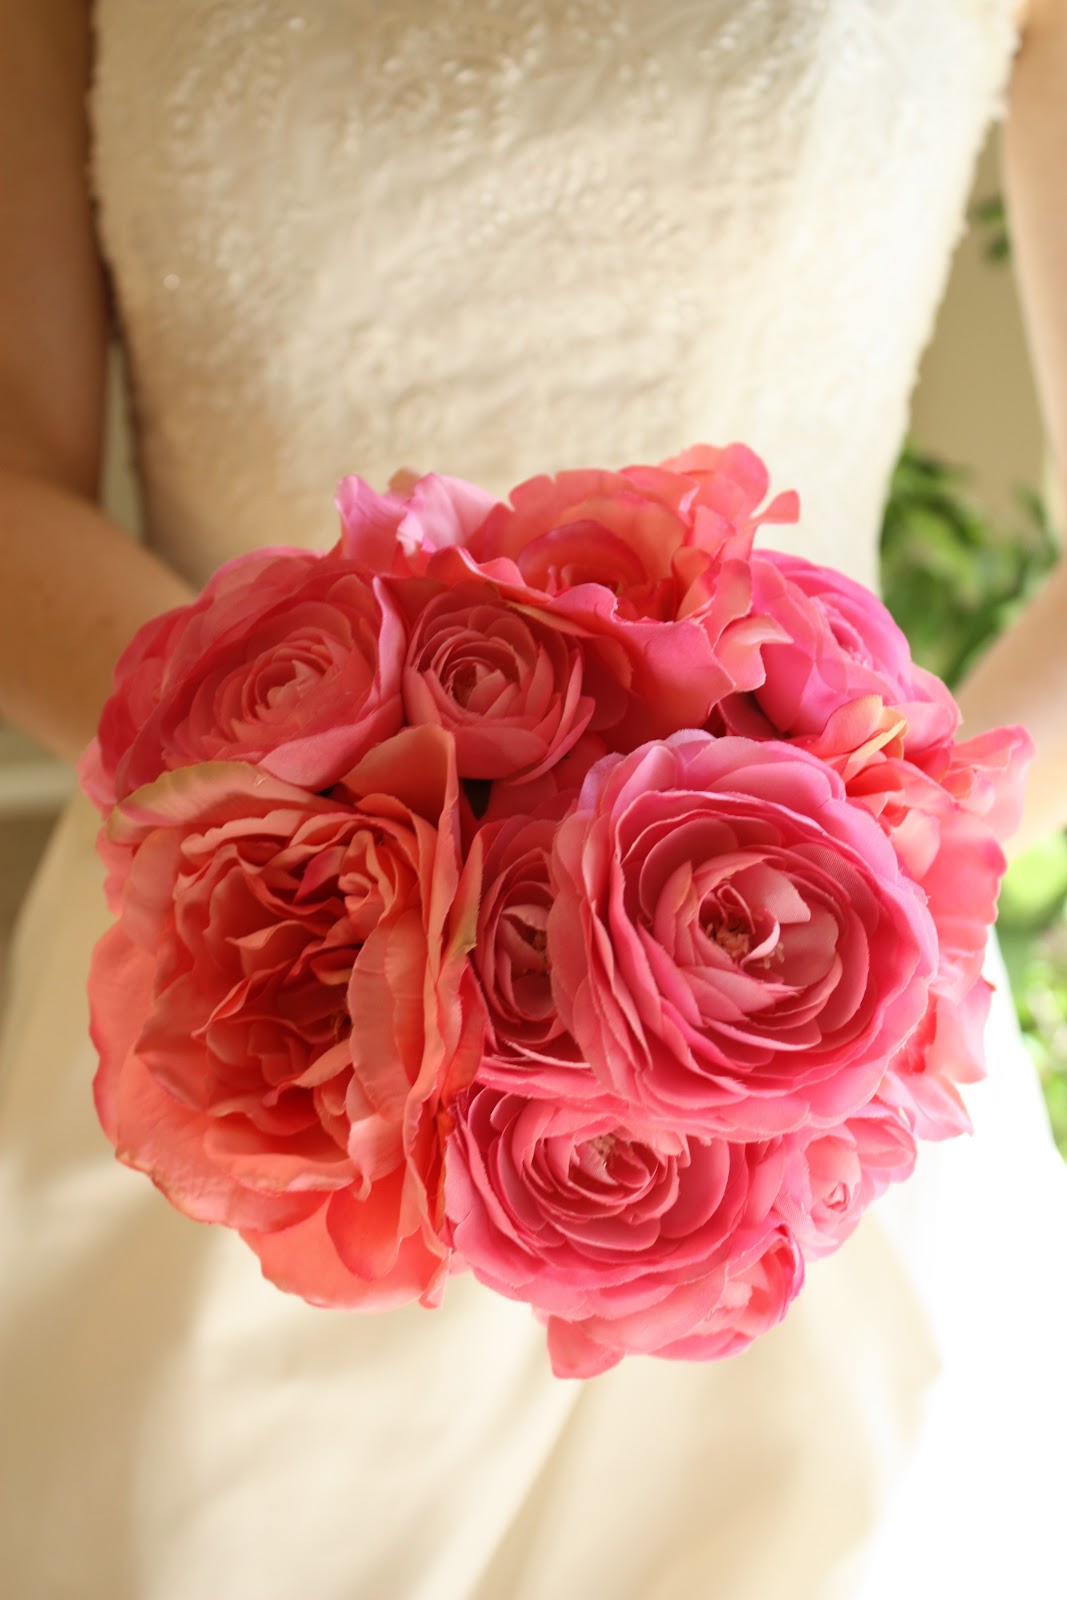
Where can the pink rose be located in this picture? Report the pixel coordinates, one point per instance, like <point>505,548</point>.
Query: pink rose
<point>397,532</point>
<point>284,1006</point>
<point>624,1238</point>
<point>949,852</point>
<point>288,660</point>
<point>946,1049</point>
<point>506,684</point>
<point>987,775</point>
<point>839,678</point>
<point>527,1047</point>
<point>835,1173</point>
<point>866,633</point>
<point>733,944</point>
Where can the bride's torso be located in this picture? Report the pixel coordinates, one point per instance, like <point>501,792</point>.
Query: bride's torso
<point>493,237</point>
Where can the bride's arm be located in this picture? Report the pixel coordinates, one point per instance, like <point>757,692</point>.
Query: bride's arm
<point>73,586</point>
<point>1023,677</point>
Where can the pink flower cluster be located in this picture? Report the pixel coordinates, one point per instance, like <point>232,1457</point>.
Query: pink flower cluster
<point>558,889</point>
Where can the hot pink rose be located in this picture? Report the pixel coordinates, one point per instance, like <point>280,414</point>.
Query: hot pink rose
<point>624,1238</point>
<point>507,685</point>
<point>839,678</point>
<point>867,634</point>
<point>288,659</point>
<point>733,944</point>
<point>284,1005</point>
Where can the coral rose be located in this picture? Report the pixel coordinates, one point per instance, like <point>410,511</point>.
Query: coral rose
<point>288,659</point>
<point>284,1005</point>
<point>625,530</point>
<point>506,685</point>
<point>654,559</point>
<point>623,1237</point>
<point>733,944</point>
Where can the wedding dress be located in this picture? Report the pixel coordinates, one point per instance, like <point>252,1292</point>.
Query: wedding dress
<point>494,237</point>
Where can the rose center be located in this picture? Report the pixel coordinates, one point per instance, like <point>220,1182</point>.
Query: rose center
<point>735,941</point>
<point>727,921</point>
<point>529,941</point>
<point>464,682</point>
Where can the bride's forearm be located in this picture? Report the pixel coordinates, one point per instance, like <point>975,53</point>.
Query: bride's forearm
<point>1034,163</point>
<point>1023,678</point>
<point>73,589</point>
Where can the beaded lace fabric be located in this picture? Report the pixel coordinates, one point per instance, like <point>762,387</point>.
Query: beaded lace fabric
<point>492,238</point>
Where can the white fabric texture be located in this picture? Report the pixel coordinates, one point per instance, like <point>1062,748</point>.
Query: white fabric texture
<point>491,238</point>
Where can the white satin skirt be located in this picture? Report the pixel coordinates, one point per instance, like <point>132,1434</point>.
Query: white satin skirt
<point>173,1426</point>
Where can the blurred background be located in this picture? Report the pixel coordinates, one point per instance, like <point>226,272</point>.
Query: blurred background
<point>971,528</point>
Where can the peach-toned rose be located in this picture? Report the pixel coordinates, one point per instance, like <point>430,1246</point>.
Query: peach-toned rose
<point>288,659</point>
<point>284,1005</point>
<point>651,559</point>
<point>624,1238</point>
<point>733,944</point>
<point>624,530</point>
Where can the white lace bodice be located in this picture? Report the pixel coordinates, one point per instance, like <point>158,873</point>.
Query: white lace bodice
<point>494,237</point>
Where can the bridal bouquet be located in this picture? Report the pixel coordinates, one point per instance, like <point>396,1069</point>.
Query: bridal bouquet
<point>559,889</point>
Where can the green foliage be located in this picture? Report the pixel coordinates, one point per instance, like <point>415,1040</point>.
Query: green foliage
<point>952,581</point>
<point>1037,967</point>
<point>991,218</point>
<point>1033,939</point>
